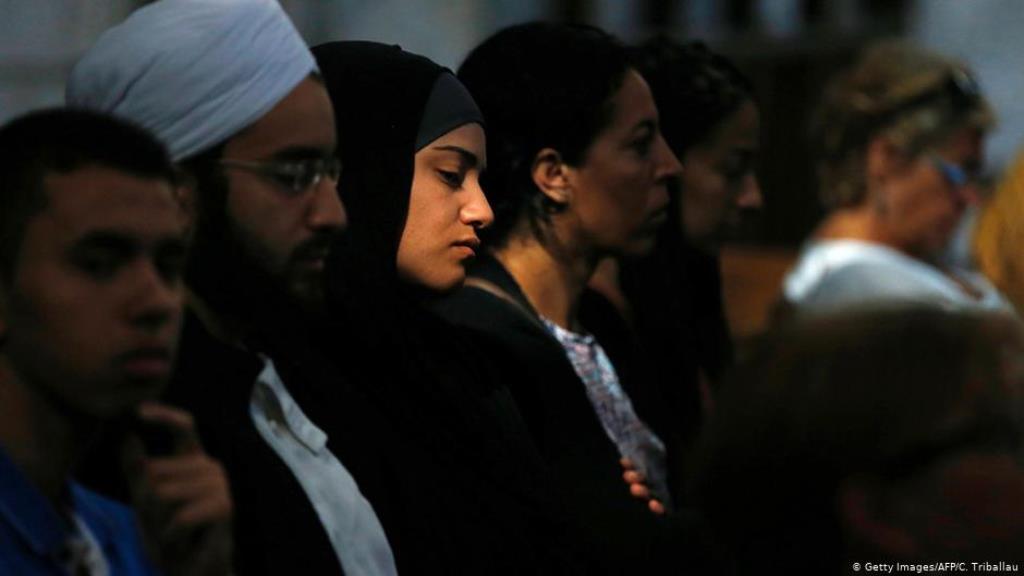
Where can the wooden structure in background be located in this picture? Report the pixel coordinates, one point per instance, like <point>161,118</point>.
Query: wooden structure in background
<point>751,286</point>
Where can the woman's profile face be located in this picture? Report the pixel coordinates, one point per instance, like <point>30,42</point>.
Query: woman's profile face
<point>923,199</point>
<point>620,190</point>
<point>446,208</point>
<point>718,177</point>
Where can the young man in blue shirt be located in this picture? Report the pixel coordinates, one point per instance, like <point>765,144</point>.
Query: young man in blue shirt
<point>92,243</point>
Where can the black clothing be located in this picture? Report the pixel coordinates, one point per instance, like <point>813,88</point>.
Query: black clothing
<point>481,505</point>
<point>439,460</point>
<point>675,296</point>
<point>434,446</point>
<point>276,529</point>
<point>617,532</point>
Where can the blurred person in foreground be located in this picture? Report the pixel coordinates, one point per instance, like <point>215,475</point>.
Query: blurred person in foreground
<point>901,135</point>
<point>873,435</point>
<point>92,246</point>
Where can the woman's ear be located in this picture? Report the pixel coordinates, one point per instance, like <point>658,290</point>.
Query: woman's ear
<point>550,174</point>
<point>882,158</point>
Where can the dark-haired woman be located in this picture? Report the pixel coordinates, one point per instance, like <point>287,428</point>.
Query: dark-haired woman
<point>672,297</point>
<point>577,170</point>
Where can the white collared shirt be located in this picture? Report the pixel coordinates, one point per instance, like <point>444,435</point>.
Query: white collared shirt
<point>351,524</point>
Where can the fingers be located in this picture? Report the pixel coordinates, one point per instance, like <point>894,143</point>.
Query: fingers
<point>178,422</point>
<point>187,514</point>
<point>196,485</point>
<point>184,466</point>
<point>638,488</point>
<point>190,484</point>
<point>201,512</point>
<point>633,477</point>
<point>640,491</point>
<point>183,500</point>
<point>174,417</point>
<point>185,488</point>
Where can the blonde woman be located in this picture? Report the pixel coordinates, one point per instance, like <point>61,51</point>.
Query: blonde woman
<point>901,136</point>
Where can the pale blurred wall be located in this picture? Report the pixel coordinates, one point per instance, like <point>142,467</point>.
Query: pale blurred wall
<point>443,30</point>
<point>40,39</point>
<point>987,34</point>
<point>39,42</point>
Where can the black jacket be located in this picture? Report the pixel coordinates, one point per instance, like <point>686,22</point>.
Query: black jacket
<point>469,487</point>
<point>615,530</point>
<point>276,529</point>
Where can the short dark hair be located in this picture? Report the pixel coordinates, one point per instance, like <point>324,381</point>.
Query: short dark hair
<point>695,89</point>
<point>539,85</point>
<point>60,141</point>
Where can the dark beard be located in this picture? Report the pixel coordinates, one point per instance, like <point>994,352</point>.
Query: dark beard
<point>230,283</point>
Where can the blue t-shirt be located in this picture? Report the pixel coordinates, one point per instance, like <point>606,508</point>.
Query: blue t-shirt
<point>33,536</point>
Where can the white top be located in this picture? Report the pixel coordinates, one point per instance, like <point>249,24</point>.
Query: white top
<point>351,524</point>
<point>84,552</point>
<point>834,274</point>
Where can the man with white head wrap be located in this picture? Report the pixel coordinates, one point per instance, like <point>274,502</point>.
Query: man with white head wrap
<point>231,74</point>
<point>232,90</point>
<point>231,62</point>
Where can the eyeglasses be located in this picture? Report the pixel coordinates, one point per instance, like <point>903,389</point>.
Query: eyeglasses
<point>954,174</point>
<point>295,175</point>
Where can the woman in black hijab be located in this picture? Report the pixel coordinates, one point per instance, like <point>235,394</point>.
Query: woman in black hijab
<point>463,494</point>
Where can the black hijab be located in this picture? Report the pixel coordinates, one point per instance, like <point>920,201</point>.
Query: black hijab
<point>378,93</point>
<point>469,468</point>
<point>388,104</point>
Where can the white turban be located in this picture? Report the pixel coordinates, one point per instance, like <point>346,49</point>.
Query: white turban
<point>194,72</point>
